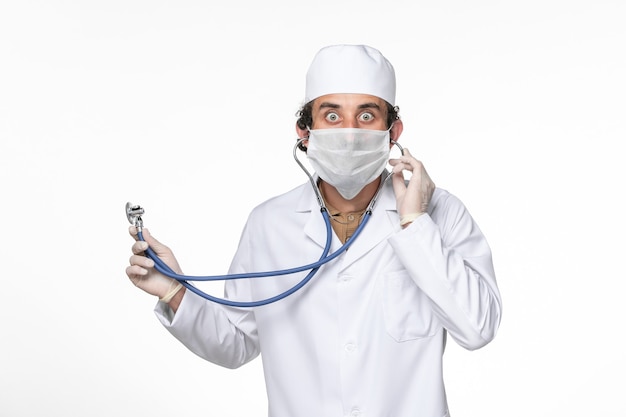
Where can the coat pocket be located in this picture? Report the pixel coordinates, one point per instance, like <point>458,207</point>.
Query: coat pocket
<point>408,312</point>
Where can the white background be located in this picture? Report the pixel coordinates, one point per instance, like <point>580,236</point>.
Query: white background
<point>187,108</point>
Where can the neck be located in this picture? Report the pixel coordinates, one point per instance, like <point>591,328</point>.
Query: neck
<point>358,203</point>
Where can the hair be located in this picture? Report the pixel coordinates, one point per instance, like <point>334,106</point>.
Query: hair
<point>305,117</point>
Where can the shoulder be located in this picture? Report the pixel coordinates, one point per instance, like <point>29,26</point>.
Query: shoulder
<point>450,214</point>
<point>287,201</point>
<point>442,199</point>
<point>446,208</point>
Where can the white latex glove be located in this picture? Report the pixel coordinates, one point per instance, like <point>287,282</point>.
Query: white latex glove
<point>411,199</point>
<point>141,270</point>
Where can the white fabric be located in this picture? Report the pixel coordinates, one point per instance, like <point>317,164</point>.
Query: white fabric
<point>358,69</point>
<point>348,158</point>
<point>366,336</point>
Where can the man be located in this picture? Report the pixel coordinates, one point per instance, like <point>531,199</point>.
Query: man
<point>366,336</point>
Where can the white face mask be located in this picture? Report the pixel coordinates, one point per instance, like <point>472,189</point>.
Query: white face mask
<point>348,158</point>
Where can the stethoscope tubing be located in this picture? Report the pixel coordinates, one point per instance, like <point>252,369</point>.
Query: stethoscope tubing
<point>163,268</point>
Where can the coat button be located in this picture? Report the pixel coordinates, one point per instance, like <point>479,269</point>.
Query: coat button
<point>350,347</point>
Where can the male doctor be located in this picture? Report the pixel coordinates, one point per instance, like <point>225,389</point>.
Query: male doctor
<point>366,336</point>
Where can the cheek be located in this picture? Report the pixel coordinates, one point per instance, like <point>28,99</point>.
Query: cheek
<point>320,123</point>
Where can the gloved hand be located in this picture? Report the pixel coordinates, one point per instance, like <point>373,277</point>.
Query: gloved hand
<point>141,270</point>
<point>412,199</point>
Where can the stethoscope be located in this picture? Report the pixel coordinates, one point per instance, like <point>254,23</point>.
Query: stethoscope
<point>134,213</point>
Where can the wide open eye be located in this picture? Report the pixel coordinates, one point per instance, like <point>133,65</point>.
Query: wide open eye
<point>332,117</point>
<point>366,117</point>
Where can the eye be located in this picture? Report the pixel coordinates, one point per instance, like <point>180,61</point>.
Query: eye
<point>366,117</point>
<point>332,117</point>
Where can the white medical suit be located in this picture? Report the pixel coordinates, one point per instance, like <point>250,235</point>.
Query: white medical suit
<point>365,337</point>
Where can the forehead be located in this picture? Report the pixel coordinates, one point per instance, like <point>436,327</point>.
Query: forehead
<point>349,102</point>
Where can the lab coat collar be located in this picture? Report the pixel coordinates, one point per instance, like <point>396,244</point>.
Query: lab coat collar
<point>382,223</point>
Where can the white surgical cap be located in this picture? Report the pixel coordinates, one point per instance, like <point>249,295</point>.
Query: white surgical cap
<point>357,69</point>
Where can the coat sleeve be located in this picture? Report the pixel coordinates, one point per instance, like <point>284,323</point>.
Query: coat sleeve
<point>449,259</point>
<point>226,336</point>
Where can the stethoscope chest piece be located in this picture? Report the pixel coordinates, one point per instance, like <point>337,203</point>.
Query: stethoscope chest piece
<point>134,213</point>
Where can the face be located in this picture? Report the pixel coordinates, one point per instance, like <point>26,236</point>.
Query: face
<point>350,110</point>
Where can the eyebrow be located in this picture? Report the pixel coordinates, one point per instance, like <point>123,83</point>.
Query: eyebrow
<point>327,105</point>
<point>369,106</point>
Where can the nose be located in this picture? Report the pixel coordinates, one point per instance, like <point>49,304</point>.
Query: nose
<point>352,123</point>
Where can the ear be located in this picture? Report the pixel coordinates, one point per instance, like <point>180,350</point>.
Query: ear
<point>396,130</point>
<point>302,133</point>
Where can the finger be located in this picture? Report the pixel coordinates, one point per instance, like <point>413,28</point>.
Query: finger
<point>141,261</point>
<point>397,168</point>
<point>139,247</point>
<point>150,239</point>
<point>398,186</point>
<point>411,161</point>
<point>135,272</point>
<point>132,230</point>
<point>410,164</point>
<point>416,183</point>
<point>406,155</point>
<point>406,163</point>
